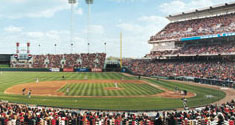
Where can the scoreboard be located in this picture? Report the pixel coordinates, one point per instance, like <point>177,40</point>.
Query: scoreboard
<point>23,56</point>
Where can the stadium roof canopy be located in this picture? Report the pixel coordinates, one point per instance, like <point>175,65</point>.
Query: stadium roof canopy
<point>221,9</point>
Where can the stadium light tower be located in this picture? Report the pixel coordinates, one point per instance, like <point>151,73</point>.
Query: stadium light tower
<point>72,3</point>
<point>105,46</point>
<point>55,48</point>
<point>71,48</point>
<point>88,2</point>
<point>121,49</point>
<point>39,49</point>
<point>88,49</point>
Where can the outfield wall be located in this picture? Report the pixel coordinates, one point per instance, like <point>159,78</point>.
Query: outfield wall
<point>26,69</point>
<point>52,69</point>
<point>230,84</point>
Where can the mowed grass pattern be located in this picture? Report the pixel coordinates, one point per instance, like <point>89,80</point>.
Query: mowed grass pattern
<point>100,89</point>
<point>8,79</point>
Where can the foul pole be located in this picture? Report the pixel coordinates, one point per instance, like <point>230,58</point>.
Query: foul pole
<point>121,49</point>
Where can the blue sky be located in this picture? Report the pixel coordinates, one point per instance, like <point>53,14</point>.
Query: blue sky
<point>47,22</point>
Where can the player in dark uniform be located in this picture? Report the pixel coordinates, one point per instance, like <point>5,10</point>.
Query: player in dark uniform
<point>139,77</point>
<point>29,93</point>
<point>23,91</point>
<point>185,92</point>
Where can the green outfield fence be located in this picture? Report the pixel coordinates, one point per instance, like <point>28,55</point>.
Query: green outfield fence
<point>223,83</point>
<point>26,69</point>
<point>4,66</point>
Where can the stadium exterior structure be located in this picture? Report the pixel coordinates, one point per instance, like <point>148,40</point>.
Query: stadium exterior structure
<point>174,44</point>
<point>198,37</point>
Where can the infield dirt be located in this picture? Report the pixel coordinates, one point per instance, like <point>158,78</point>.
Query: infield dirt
<point>50,88</point>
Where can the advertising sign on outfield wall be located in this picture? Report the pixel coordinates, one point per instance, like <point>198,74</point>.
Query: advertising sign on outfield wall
<point>55,69</point>
<point>68,69</point>
<point>96,70</point>
<point>82,70</point>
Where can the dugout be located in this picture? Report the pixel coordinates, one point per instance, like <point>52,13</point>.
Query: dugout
<point>222,83</point>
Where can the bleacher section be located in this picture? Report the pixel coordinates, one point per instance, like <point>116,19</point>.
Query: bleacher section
<point>15,114</point>
<point>209,69</point>
<point>92,60</point>
<point>197,27</point>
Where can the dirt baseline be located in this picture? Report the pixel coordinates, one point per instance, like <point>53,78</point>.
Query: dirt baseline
<point>50,88</point>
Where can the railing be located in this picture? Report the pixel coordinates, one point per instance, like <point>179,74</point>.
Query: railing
<point>115,122</point>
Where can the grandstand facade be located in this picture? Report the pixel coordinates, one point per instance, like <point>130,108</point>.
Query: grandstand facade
<point>205,32</point>
<point>198,46</point>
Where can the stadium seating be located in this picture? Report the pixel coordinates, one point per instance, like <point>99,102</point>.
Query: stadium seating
<point>220,70</point>
<point>15,114</point>
<point>208,49</point>
<point>38,61</point>
<point>197,27</point>
<point>93,60</point>
<point>203,48</point>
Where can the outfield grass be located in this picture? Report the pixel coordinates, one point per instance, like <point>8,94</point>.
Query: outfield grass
<point>8,79</point>
<point>98,89</point>
<point>201,92</point>
<point>4,66</point>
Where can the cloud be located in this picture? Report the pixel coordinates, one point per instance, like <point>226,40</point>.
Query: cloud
<point>35,34</point>
<point>130,27</point>
<point>46,39</point>
<point>79,11</point>
<point>150,18</point>
<point>95,30</point>
<point>137,33</point>
<point>34,8</point>
<point>128,0</point>
<point>13,29</point>
<point>44,13</point>
<point>175,6</point>
<point>178,6</point>
<point>15,1</point>
<point>148,25</point>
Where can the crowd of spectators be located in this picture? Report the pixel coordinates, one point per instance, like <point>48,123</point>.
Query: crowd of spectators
<point>199,49</point>
<point>160,53</point>
<point>90,60</point>
<point>207,49</point>
<point>219,70</point>
<point>15,114</point>
<point>54,61</point>
<point>38,61</point>
<point>93,60</point>
<point>197,27</point>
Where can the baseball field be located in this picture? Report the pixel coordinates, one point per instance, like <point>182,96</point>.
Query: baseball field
<point>104,91</point>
